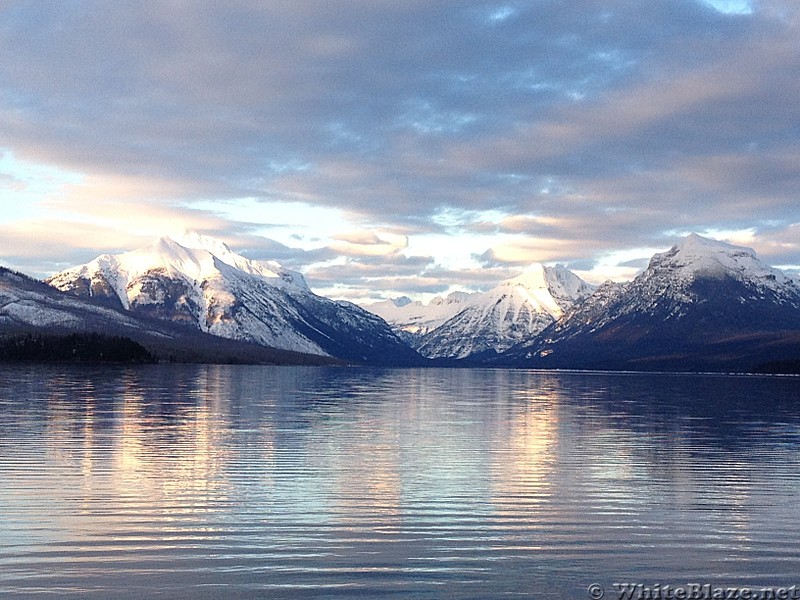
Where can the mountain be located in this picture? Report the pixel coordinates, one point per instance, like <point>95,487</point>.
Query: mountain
<point>467,325</point>
<point>412,320</point>
<point>702,305</point>
<point>27,303</point>
<point>31,307</point>
<point>515,311</point>
<point>199,282</point>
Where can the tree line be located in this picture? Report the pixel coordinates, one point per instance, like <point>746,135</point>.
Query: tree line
<point>72,348</point>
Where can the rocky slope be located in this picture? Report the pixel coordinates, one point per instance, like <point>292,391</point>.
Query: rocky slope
<point>701,305</point>
<point>463,325</point>
<point>199,282</point>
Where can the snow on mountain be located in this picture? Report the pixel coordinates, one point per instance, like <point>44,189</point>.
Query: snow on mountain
<point>462,324</point>
<point>271,271</point>
<point>692,302</point>
<point>677,278</point>
<point>513,312</point>
<point>417,318</point>
<point>200,282</point>
<point>194,259</point>
<point>26,302</point>
<point>697,257</point>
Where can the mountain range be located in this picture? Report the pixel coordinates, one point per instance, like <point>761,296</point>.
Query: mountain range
<point>702,305</point>
<point>463,325</point>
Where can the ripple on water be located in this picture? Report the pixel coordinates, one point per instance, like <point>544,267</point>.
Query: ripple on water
<point>242,482</point>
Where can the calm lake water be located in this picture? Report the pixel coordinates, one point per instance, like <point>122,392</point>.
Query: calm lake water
<point>254,482</point>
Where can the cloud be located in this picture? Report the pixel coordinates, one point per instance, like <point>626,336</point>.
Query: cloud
<point>68,243</point>
<point>368,243</point>
<point>260,248</point>
<point>586,127</point>
<point>524,252</point>
<point>362,278</point>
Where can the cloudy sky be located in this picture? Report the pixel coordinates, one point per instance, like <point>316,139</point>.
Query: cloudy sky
<point>388,147</point>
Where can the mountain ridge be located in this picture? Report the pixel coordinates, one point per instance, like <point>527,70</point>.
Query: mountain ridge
<point>465,324</point>
<point>702,304</point>
<point>205,285</point>
<point>29,306</point>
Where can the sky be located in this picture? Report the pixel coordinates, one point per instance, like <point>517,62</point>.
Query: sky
<point>400,147</point>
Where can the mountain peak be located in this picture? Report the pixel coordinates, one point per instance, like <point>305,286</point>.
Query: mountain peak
<point>197,241</point>
<point>534,277</point>
<point>697,244</point>
<point>700,256</point>
<point>192,247</point>
<point>512,312</point>
<point>401,301</point>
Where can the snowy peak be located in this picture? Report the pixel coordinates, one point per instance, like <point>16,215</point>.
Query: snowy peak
<point>270,271</point>
<point>168,255</point>
<point>535,277</point>
<point>698,253</point>
<point>461,323</point>
<point>194,258</point>
<point>698,244</point>
<point>512,312</point>
<point>452,299</point>
<point>401,301</point>
<point>697,257</point>
<point>198,241</point>
<point>549,290</point>
<point>418,318</point>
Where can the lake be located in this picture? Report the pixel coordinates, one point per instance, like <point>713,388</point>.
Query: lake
<point>259,482</point>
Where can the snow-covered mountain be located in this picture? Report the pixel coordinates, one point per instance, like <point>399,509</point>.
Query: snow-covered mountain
<point>200,282</point>
<point>466,324</point>
<point>26,303</point>
<point>29,306</point>
<point>414,319</point>
<point>702,304</point>
<point>515,311</point>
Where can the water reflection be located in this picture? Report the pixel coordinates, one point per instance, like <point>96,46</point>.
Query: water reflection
<point>313,482</point>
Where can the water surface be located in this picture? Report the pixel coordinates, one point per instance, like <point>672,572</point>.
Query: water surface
<point>256,482</point>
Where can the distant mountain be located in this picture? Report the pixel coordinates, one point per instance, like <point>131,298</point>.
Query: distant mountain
<point>463,325</point>
<point>702,305</point>
<point>199,282</point>
<point>412,320</point>
<point>515,311</point>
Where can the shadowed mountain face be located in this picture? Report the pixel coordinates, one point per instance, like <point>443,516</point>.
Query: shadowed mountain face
<point>703,305</point>
<point>201,283</point>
